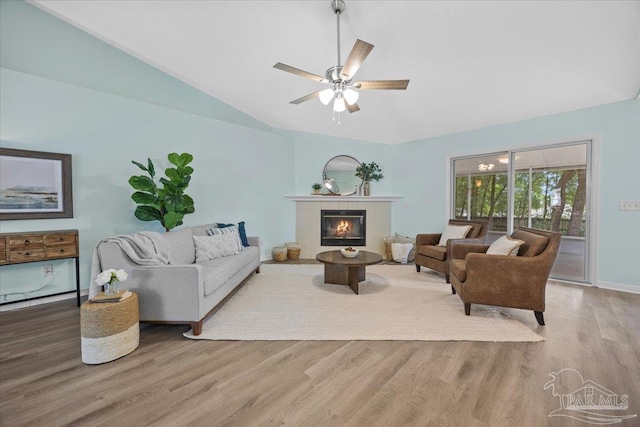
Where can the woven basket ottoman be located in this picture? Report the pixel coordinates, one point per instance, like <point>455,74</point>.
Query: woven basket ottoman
<point>109,330</point>
<point>293,250</point>
<point>279,253</point>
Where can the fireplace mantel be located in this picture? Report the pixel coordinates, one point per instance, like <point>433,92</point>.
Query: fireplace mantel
<point>316,198</point>
<point>308,220</point>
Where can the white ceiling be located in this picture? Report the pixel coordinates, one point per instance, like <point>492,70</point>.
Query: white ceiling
<point>471,63</point>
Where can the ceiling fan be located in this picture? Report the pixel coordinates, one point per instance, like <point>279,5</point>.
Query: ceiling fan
<point>343,91</point>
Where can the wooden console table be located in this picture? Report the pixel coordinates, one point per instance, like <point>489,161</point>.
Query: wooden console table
<point>33,246</point>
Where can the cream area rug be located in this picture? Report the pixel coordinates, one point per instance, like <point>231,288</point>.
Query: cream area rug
<point>292,302</point>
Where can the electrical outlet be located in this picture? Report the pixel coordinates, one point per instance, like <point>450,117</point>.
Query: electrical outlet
<point>47,270</point>
<point>630,205</point>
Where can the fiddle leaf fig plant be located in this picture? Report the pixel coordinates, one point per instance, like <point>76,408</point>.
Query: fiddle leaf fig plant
<point>167,203</point>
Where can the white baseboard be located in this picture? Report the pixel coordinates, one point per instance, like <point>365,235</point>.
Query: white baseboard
<point>30,303</point>
<point>619,287</point>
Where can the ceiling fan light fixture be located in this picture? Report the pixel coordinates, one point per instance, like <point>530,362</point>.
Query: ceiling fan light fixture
<point>343,93</point>
<point>351,96</point>
<point>326,96</point>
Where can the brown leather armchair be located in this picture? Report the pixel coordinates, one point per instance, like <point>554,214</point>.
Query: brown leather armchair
<point>430,255</point>
<point>502,280</point>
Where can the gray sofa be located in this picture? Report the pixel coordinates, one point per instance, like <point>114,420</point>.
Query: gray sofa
<point>183,292</point>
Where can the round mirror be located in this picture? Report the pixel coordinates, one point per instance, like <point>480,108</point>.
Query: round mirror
<point>339,176</point>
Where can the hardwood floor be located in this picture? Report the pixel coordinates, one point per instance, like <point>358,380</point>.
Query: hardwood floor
<point>173,381</point>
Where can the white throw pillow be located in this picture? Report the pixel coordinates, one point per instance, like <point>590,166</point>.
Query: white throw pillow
<point>232,229</point>
<point>505,246</point>
<point>454,232</point>
<point>218,246</point>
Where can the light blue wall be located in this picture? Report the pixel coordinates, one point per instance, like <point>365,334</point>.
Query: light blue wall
<point>25,281</point>
<point>242,168</point>
<point>313,151</point>
<point>40,44</point>
<point>103,133</point>
<point>421,167</point>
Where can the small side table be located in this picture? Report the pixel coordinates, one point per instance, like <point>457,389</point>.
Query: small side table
<point>109,330</point>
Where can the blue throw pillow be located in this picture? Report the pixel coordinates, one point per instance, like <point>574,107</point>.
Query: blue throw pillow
<point>241,229</point>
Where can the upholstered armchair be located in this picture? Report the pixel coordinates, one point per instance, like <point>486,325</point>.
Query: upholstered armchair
<point>431,255</point>
<point>506,280</point>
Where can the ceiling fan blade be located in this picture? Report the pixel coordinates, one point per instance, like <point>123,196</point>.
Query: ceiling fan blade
<point>358,54</point>
<point>381,84</point>
<point>305,98</point>
<point>352,108</point>
<point>299,72</point>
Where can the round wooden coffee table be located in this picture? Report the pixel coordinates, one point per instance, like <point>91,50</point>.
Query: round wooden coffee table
<point>340,270</point>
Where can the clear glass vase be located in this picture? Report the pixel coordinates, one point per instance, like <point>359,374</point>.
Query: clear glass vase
<point>111,288</point>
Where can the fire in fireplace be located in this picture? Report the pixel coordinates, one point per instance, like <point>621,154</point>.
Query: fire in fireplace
<point>343,228</point>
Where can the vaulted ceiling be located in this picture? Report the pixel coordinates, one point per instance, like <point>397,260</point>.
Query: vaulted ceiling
<point>471,63</point>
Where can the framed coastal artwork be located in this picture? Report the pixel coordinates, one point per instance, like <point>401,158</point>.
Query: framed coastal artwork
<point>35,185</point>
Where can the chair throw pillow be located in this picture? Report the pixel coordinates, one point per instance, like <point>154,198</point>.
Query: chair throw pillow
<point>505,246</point>
<point>218,246</point>
<point>454,232</point>
<point>227,230</point>
<point>241,229</point>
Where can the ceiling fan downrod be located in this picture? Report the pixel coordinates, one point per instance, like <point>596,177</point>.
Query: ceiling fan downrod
<point>338,7</point>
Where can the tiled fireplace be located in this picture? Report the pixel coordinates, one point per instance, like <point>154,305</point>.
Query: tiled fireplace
<point>309,222</point>
<point>343,227</point>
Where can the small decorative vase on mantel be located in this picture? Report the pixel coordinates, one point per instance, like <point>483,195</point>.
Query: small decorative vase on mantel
<point>368,172</point>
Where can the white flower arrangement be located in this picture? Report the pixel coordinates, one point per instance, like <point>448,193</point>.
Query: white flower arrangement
<point>111,275</point>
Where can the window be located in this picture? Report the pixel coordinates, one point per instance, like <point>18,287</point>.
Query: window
<point>550,191</point>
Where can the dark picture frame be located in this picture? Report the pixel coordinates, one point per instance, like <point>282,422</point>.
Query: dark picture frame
<point>35,185</point>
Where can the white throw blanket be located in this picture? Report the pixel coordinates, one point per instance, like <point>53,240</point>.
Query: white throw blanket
<point>400,251</point>
<point>144,248</point>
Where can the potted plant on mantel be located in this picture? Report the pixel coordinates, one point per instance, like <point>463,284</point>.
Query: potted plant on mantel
<point>369,172</point>
<point>167,204</point>
<point>316,188</point>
